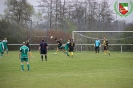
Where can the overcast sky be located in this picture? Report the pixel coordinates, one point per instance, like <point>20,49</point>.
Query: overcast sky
<point>129,18</point>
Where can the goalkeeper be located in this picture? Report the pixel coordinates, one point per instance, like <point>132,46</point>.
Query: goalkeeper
<point>97,44</point>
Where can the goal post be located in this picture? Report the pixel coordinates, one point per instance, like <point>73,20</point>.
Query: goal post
<point>118,40</point>
<point>100,32</point>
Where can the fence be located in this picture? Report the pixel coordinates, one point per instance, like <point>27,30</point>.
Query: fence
<point>80,47</point>
<point>112,47</point>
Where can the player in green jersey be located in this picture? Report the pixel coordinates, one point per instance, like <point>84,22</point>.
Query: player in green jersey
<point>5,45</point>
<point>1,48</point>
<point>67,47</point>
<point>23,55</point>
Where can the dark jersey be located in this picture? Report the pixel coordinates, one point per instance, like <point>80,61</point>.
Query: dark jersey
<point>27,43</point>
<point>59,43</point>
<point>72,44</point>
<point>43,46</point>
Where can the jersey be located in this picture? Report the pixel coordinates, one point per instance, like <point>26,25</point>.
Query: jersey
<point>43,46</point>
<point>59,44</point>
<point>71,45</point>
<point>67,45</point>
<point>27,43</point>
<point>24,51</point>
<point>104,43</point>
<point>5,44</point>
<point>97,43</point>
<point>1,47</point>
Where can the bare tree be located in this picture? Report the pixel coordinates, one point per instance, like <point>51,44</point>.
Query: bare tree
<point>86,15</point>
<point>106,15</point>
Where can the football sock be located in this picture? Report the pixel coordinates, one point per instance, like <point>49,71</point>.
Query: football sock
<point>42,57</point>
<point>108,52</point>
<point>63,50</point>
<point>72,53</point>
<point>7,51</point>
<point>30,54</point>
<point>67,53</point>
<point>28,66</point>
<point>98,50</point>
<point>22,66</point>
<point>46,57</point>
<point>104,52</point>
<point>56,51</point>
<point>0,54</point>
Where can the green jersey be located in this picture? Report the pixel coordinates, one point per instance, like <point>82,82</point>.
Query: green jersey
<point>24,51</point>
<point>1,47</point>
<point>5,44</point>
<point>67,46</point>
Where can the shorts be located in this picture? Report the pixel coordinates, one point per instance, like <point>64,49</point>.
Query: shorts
<point>60,47</point>
<point>105,47</point>
<point>24,59</point>
<point>97,47</point>
<point>43,52</point>
<point>66,49</point>
<point>5,47</point>
<point>71,49</point>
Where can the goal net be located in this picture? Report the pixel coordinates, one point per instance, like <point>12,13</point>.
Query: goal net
<point>121,41</point>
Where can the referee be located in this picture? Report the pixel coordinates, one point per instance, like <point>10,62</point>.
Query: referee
<point>43,47</point>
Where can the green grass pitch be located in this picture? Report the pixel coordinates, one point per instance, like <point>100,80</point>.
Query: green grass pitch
<point>84,70</point>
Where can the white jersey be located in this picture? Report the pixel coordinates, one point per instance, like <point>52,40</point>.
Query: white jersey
<point>4,41</point>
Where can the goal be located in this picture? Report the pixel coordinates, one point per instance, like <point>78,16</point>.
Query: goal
<point>121,41</point>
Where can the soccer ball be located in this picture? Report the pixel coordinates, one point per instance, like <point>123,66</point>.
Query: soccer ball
<point>51,36</point>
<point>55,53</point>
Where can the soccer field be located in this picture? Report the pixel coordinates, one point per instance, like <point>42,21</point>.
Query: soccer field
<point>84,70</point>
